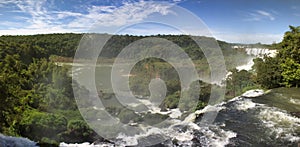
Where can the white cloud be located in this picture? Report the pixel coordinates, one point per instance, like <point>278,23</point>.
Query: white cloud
<point>249,38</point>
<point>27,31</point>
<point>6,2</point>
<point>10,24</point>
<point>43,19</point>
<point>118,16</point>
<point>264,13</point>
<point>259,15</point>
<point>150,30</point>
<point>65,14</point>
<point>295,10</point>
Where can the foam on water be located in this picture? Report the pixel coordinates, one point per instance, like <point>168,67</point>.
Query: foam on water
<point>244,104</point>
<point>256,52</point>
<point>211,135</point>
<point>184,131</point>
<point>85,144</point>
<point>295,101</point>
<point>175,113</point>
<point>280,123</point>
<point>208,108</point>
<point>153,108</point>
<point>253,93</point>
<point>276,123</point>
<point>247,66</point>
<point>127,140</point>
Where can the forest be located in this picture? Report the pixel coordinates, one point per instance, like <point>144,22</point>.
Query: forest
<point>36,94</point>
<point>268,72</point>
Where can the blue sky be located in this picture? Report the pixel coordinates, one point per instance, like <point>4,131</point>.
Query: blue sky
<point>241,21</point>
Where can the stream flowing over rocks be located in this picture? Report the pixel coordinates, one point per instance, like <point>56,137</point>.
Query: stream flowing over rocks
<point>255,118</point>
<point>241,121</point>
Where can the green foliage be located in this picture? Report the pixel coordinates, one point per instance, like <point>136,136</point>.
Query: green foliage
<point>283,70</point>
<point>237,81</point>
<point>78,131</point>
<point>290,57</point>
<point>189,97</point>
<point>127,115</point>
<point>290,73</point>
<point>65,45</point>
<point>152,68</point>
<point>200,105</point>
<point>171,101</point>
<point>37,125</point>
<point>42,46</point>
<point>37,99</point>
<point>268,72</point>
<point>32,90</point>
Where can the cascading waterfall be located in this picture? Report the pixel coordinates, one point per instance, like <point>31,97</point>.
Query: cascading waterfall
<point>260,52</point>
<point>256,53</point>
<point>240,122</point>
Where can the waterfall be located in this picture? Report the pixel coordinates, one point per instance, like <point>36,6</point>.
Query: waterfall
<point>260,52</point>
<point>241,121</point>
<point>256,53</point>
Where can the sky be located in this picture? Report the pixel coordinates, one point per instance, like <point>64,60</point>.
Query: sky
<point>235,21</point>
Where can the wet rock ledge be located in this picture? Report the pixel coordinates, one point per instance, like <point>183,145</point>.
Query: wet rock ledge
<point>8,141</point>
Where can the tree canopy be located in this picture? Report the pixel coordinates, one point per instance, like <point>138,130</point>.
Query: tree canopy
<point>284,69</point>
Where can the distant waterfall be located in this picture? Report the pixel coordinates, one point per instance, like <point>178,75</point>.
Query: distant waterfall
<point>255,52</point>
<point>260,52</point>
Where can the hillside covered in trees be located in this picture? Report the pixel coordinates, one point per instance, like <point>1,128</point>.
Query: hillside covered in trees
<point>65,45</point>
<point>36,94</point>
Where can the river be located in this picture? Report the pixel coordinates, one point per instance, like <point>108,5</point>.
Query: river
<point>265,120</point>
<point>256,120</point>
<point>252,119</point>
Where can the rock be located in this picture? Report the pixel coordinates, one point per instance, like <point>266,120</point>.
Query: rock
<point>8,141</point>
<point>102,141</point>
<point>253,93</point>
<point>296,114</point>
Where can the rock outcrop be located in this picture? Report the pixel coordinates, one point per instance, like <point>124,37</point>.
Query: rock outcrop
<point>8,141</point>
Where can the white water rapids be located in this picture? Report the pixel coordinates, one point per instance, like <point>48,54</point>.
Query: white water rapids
<point>256,52</point>
<point>273,122</point>
<point>240,122</point>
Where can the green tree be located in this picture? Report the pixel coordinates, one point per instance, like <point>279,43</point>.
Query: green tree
<point>290,73</point>
<point>78,131</point>
<point>38,125</point>
<point>237,81</point>
<point>290,57</point>
<point>268,72</point>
